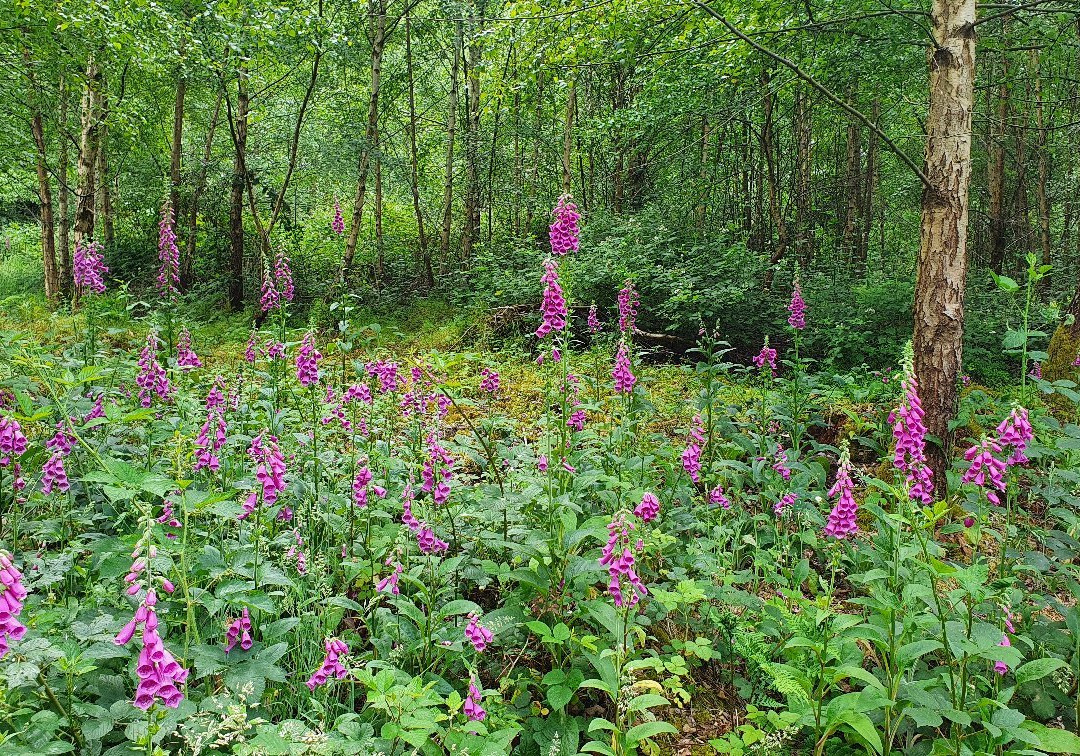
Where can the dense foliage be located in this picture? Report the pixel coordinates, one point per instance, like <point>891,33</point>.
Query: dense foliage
<point>618,377</point>
<point>303,545</point>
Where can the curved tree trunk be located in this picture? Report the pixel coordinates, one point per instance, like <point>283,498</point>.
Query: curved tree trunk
<point>371,136</point>
<point>943,261</point>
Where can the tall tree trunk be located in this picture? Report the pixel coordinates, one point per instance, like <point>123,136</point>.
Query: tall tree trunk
<point>104,189</point>
<point>1043,164</point>
<point>568,139</point>
<point>88,148</point>
<point>239,126</point>
<point>48,236</point>
<point>869,186</point>
<point>176,151</point>
<point>63,199</point>
<point>380,250</point>
<point>942,268</point>
<point>196,194</point>
<point>996,171</point>
<point>703,175</point>
<point>519,160</point>
<point>534,166</point>
<point>804,233</point>
<point>852,179</point>
<point>772,173</point>
<point>471,229</point>
<point>377,8</point>
<point>428,275</point>
<point>451,123</point>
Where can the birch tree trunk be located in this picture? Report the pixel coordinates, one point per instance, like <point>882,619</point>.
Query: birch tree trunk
<point>371,135</point>
<point>943,261</point>
<point>88,148</point>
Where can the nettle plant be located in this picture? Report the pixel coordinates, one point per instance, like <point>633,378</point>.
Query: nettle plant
<point>370,553</point>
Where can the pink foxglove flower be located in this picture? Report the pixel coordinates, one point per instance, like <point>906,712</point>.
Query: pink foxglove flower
<point>986,470</point>
<point>98,410</point>
<point>622,374</point>
<point>269,472</point>
<point>428,542</point>
<point>576,421</point>
<point>437,471</point>
<point>619,561</point>
<point>88,269</point>
<point>593,320</point>
<point>563,232</point>
<point>1015,433</point>
<point>252,350</point>
<point>209,442</point>
<point>331,665</point>
<point>780,465</point>
<point>767,356</point>
<point>649,507</point>
<point>842,519</point>
<point>271,297</point>
<point>472,708</point>
<point>628,303</point>
<point>12,440</point>
<point>283,279</point>
<point>489,380</point>
<point>477,634</point>
<point>797,308</point>
<point>691,456</point>
<point>168,519</point>
<point>716,496</point>
<point>909,430</point>
<point>390,582</point>
<point>785,501</point>
<point>553,305</point>
<point>1036,370</point>
<point>168,280</point>
<point>999,666</point>
<point>186,359</point>
<point>12,596</point>
<point>239,630</point>
<point>360,487</point>
<point>307,361</point>
<point>407,518</point>
<point>338,223</point>
<point>160,674</point>
<point>152,379</point>
<point>387,373</point>
<point>53,474</point>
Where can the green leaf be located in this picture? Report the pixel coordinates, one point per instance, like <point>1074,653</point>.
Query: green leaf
<point>640,732</point>
<point>1053,740</point>
<point>862,725</point>
<point>1037,669</point>
<point>559,695</point>
<point>909,652</point>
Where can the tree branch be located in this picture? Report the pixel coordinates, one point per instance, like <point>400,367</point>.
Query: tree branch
<point>829,95</point>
